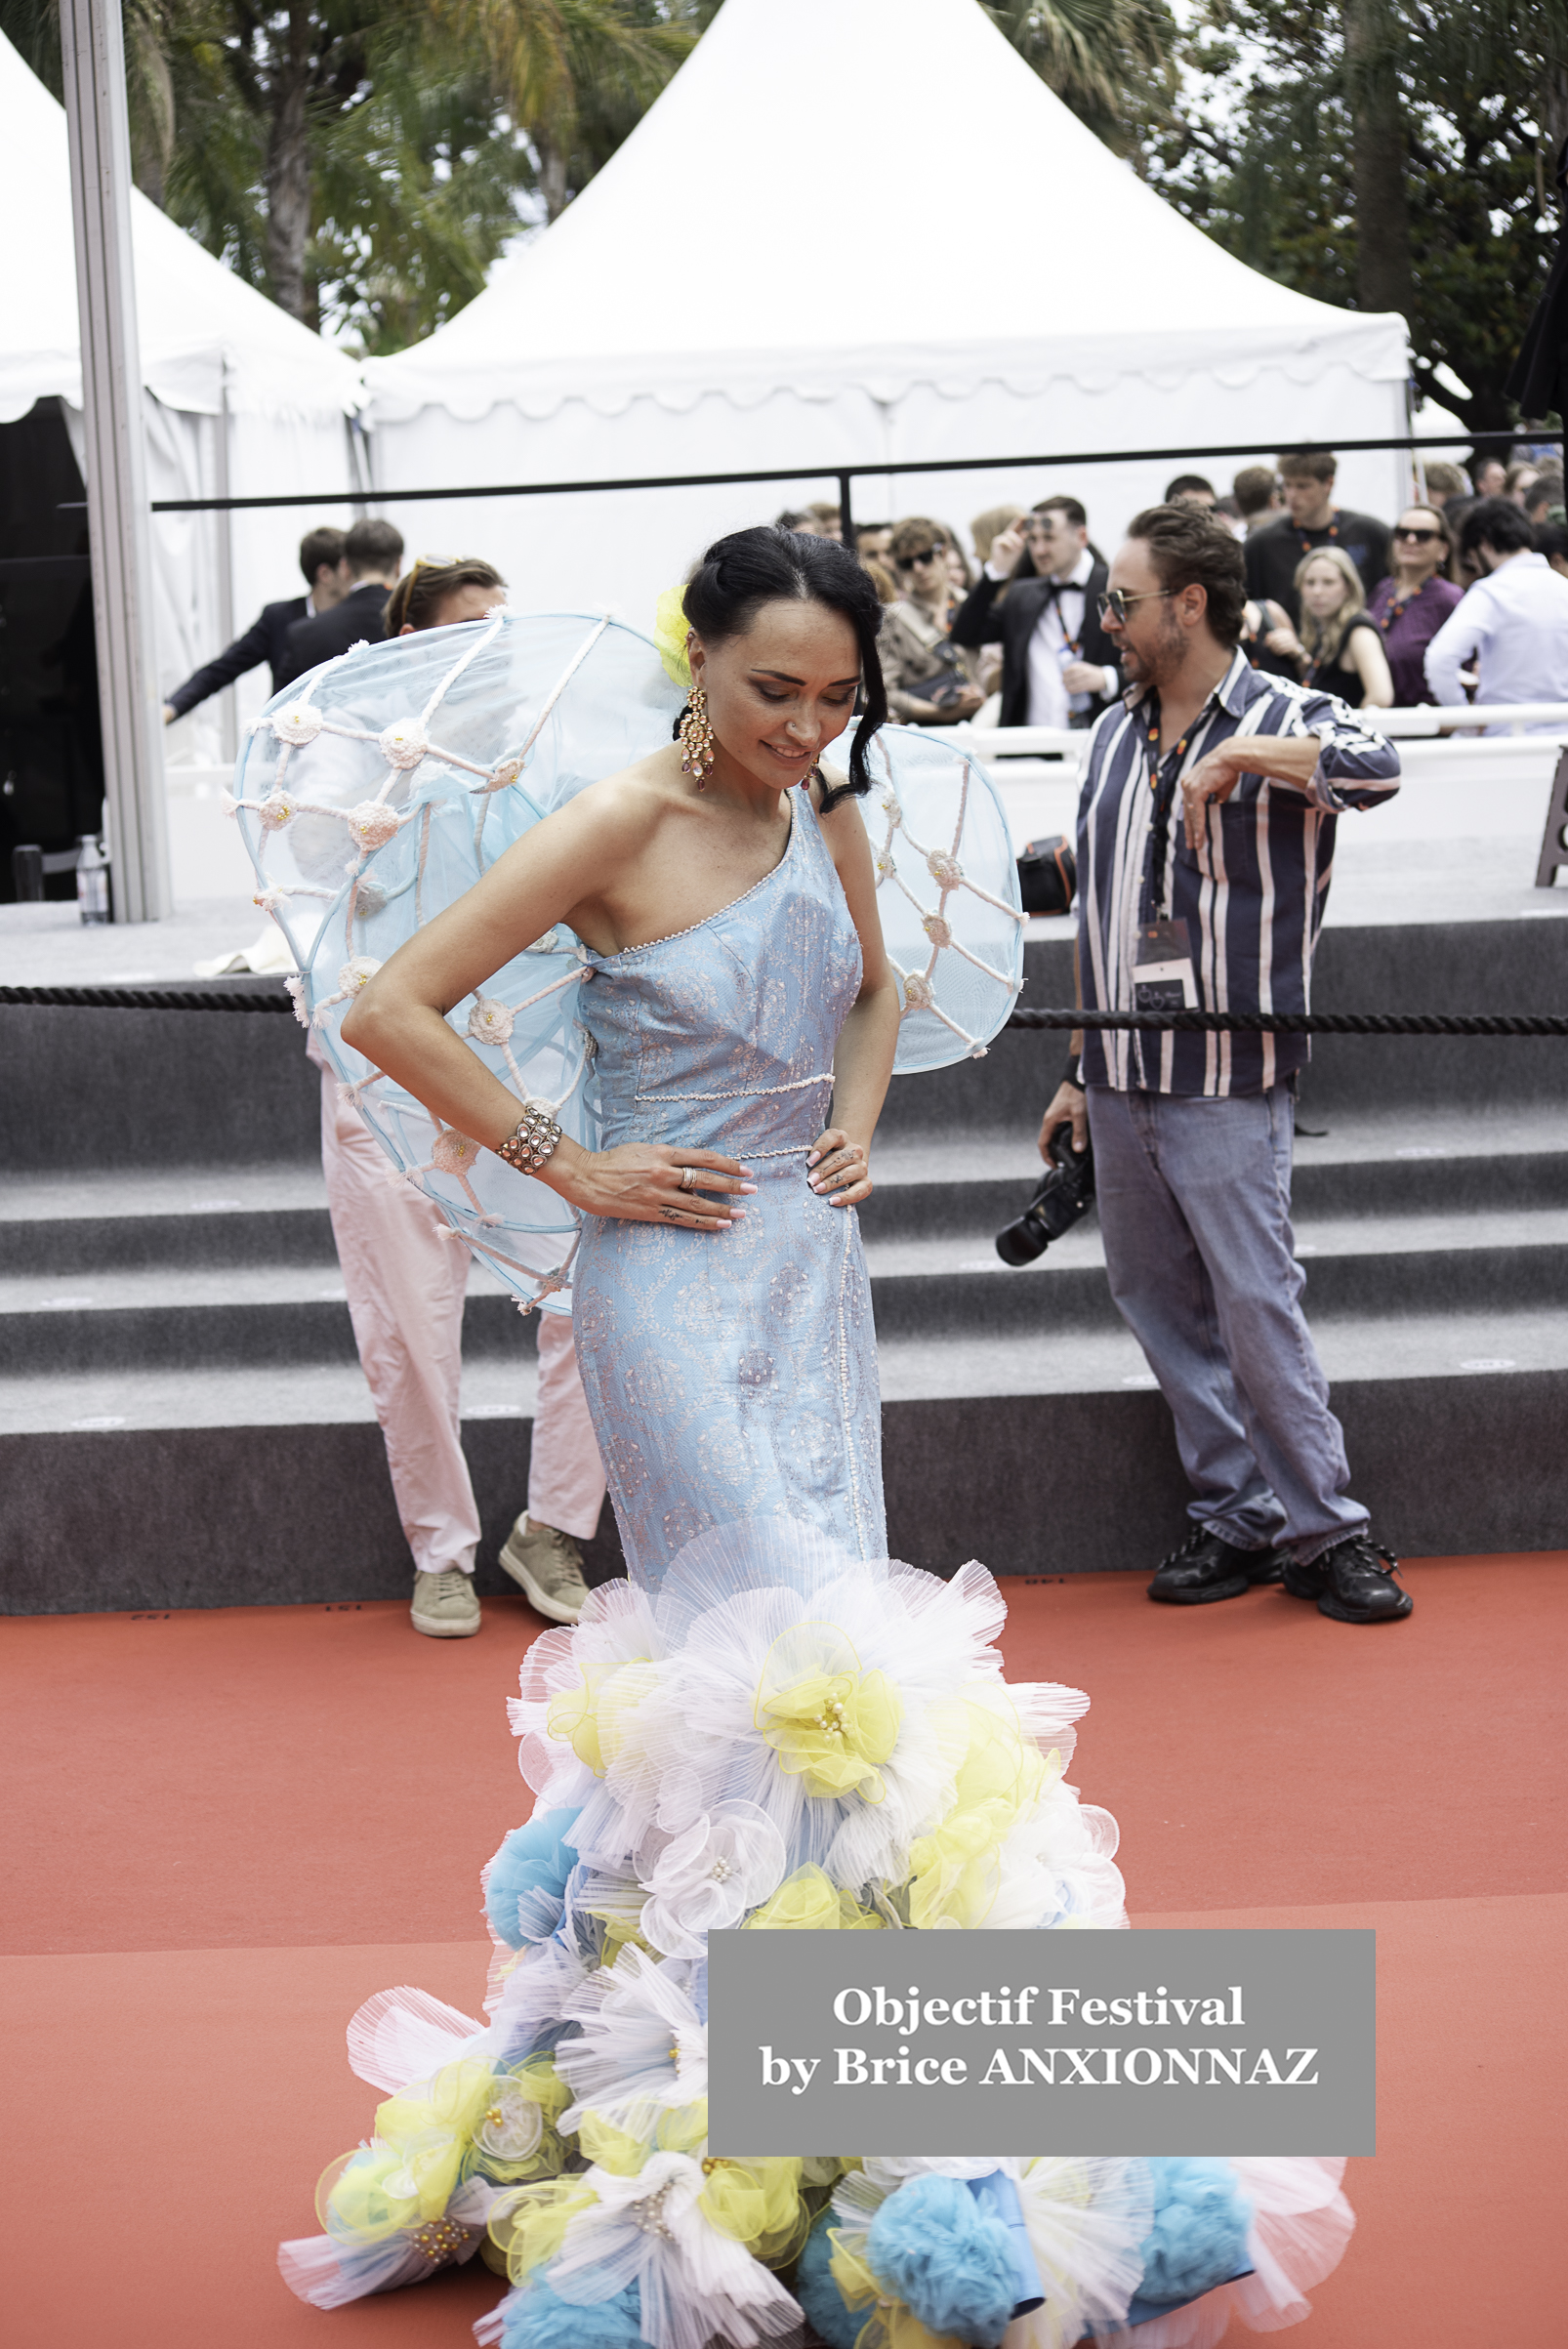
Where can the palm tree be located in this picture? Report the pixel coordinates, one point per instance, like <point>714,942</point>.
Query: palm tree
<point>1111,60</point>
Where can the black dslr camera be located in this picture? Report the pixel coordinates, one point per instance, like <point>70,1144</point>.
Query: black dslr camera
<point>1063,1196</point>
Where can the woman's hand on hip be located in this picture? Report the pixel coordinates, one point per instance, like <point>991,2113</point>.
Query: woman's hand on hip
<point>839,1170</point>
<point>654,1182</point>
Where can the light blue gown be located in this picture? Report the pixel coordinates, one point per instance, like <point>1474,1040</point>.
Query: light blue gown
<point>732,1377</point>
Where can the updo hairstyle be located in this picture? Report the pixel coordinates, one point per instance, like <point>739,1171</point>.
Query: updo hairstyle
<point>741,573</point>
<point>417,596</point>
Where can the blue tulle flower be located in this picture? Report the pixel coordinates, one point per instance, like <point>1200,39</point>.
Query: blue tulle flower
<point>526,1880</point>
<point>535,2319</point>
<point>1199,2235</point>
<point>819,2295</point>
<point>935,2248</point>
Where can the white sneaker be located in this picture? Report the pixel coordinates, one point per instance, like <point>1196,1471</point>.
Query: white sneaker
<point>548,1565</point>
<point>445,1605</point>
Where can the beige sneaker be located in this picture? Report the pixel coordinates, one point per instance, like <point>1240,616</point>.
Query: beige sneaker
<point>549,1567</point>
<point>445,1605</point>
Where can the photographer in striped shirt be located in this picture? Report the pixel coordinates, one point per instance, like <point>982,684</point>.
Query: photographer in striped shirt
<point>1205,842</point>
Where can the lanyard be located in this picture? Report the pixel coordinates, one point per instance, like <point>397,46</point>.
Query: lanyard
<point>1060,587</point>
<point>1307,536</point>
<point>1164,774</point>
<point>1394,609</point>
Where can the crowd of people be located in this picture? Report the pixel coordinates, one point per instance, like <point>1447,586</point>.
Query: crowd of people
<point>1463,598</point>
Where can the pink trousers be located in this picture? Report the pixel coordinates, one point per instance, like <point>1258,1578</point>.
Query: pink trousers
<point>405,1284</point>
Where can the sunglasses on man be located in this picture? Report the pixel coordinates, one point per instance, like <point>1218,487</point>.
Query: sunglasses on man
<point>1118,602</point>
<point>907,562</point>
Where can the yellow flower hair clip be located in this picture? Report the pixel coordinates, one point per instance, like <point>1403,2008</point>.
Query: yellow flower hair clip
<point>670,629</point>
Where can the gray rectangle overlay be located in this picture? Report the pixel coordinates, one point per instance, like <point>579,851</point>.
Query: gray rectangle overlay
<point>998,2042</point>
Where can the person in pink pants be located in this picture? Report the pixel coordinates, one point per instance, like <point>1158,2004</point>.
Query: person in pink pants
<point>406,1275</point>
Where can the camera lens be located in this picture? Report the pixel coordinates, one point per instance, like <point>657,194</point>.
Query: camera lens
<point>1063,1196</point>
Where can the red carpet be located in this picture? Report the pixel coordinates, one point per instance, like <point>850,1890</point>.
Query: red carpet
<point>227,1829</point>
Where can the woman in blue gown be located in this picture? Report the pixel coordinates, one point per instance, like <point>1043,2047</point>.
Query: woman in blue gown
<point>771,1725</point>
<point>740,991</point>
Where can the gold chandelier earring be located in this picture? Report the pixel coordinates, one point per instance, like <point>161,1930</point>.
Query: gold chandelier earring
<point>696,738</point>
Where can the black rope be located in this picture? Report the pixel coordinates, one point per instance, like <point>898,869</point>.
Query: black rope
<point>152,998</point>
<point>1309,1023</point>
<point>1232,1023</point>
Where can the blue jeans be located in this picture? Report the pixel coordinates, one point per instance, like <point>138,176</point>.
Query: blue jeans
<point>1195,1208</point>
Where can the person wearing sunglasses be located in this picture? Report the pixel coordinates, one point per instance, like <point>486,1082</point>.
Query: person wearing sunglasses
<point>1058,667</point>
<point>1205,839</point>
<point>927,678</point>
<point>1412,603</point>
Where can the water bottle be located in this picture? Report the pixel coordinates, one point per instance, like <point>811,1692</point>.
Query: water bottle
<point>92,878</point>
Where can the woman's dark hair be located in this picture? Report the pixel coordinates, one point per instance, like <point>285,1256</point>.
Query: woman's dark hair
<point>1189,548</point>
<point>741,573</point>
<point>418,595</point>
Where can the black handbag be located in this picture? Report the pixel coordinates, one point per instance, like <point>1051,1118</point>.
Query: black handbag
<point>1048,875</point>
<point>945,684</point>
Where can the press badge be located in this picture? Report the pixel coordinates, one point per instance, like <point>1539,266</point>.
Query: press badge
<point>1162,977</point>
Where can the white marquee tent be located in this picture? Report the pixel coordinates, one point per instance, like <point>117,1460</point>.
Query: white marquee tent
<point>238,399</point>
<point>853,231</point>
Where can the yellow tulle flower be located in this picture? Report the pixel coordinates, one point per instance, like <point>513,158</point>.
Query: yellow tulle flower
<point>595,1719</point>
<point>670,630</point>
<point>889,2324</point>
<point>679,2130</point>
<point>955,1870</point>
<point>759,2203</point>
<point>529,2225</point>
<point>469,2119</point>
<point>810,1902</point>
<point>829,1722</point>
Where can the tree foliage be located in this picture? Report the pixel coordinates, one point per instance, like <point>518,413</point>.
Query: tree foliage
<point>1112,62</point>
<point>364,161</point>
<point>1267,151</point>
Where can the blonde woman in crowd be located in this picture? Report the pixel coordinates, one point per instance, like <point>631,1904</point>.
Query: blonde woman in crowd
<point>1337,646</point>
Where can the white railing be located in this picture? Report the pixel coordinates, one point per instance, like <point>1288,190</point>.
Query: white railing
<point>1424,723</point>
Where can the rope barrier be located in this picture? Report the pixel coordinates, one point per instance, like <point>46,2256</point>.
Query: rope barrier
<point>1308,1023</point>
<point>149,998</point>
<point>1223,1024</point>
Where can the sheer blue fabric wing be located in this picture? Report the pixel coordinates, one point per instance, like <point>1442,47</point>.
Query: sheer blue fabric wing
<point>375,792</point>
<point>947,891</point>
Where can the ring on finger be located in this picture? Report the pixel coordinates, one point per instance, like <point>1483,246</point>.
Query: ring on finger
<point>689,1178</point>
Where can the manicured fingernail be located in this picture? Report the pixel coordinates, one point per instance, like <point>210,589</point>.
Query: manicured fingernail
<point>815,1155</point>
<point>748,1190</point>
<point>737,1215</point>
<point>813,1183</point>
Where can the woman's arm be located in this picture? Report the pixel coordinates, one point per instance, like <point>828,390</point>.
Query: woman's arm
<point>863,1062</point>
<point>398,1021</point>
<point>1372,667</point>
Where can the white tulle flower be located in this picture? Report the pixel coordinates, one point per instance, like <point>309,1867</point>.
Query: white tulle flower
<point>642,2048</point>
<point>513,2124</point>
<point>696,2284</point>
<point>358,974</point>
<point>403,743</point>
<point>707,1879</point>
<point>279,808</point>
<point>297,721</point>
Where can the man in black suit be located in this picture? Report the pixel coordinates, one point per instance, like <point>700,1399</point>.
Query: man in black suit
<point>326,575</point>
<point>374,552</point>
<point>1058,666</point>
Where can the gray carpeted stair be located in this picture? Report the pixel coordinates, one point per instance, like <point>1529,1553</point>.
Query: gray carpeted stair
<point>183,1421</point>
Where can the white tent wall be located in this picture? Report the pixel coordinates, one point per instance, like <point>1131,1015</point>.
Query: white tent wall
<point>622,547</point>
<point>743,286</point>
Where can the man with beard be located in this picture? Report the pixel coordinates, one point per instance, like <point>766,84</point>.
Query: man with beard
<point>1207,818</point>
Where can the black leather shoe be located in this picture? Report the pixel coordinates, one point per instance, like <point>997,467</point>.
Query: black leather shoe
<point>1208,1567</point>
<point>1353,1582</point>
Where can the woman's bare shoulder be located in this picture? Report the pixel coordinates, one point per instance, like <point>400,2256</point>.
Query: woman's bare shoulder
<point>625,810</point>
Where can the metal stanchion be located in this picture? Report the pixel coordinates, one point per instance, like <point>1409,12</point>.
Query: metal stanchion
<point>92,58</point>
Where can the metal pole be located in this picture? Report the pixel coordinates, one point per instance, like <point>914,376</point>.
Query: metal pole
<point>229,704</point>
<point>92,58</point>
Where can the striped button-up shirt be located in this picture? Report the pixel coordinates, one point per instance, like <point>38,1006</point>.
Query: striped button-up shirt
<point>1252,896</point>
